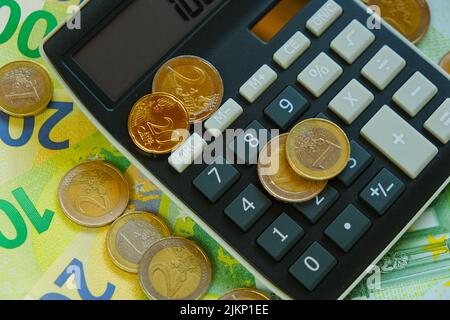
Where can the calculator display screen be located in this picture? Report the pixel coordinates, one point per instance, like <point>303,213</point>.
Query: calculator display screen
<point>127,48</point>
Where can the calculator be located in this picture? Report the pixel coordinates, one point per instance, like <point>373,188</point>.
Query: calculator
<point>323,59</point>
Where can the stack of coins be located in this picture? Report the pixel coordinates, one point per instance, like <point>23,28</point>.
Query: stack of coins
<point>96,194</point>
<point>186,90</point>
<point>25,89</point>
<point>297,166</point>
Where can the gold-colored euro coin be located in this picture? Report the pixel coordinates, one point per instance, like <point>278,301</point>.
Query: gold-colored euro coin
<point>175,269</point>
<point>194,81</point>
<point>25,89</point>
<point>445,63</point>
<point>158,123</point>
<point>245,294</point>
<point>411,18</point>
<point>279,179</point>
<point>93,194</point>
<point>318,149</point>
<point>131,235</point>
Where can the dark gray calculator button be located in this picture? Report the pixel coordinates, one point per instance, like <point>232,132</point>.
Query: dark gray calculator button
<point>280,237</point>
<point>287,108</point>
<point>247,145</point>
<point>313,266</point>
<point>359,161</point>
<point>215,180</point>
<point>316,208</point>
<point>383,191</point>
<point>348,228</point>
<point>248,207</point>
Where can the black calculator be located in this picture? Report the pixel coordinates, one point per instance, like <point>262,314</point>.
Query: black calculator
<point>323,59</point>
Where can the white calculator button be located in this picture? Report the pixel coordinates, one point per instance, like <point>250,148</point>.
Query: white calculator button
<point>223,118</point>
<point>258,83</point>
<point>320,74</point>
<point>291,50</point>
<point>439,122</point>
<point>399,141</point>
<point>185,155</point>
<point>352,41</point>
<point>351,101</point>
<point>415,94</point>
<point>324,18</point>
<point>384,67</point>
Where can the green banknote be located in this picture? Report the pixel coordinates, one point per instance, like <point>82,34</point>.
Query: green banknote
<point>45,256</point>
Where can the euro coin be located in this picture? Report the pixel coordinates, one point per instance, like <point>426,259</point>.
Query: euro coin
<point>175,269</point>
<point>194,81</point>
<point>25,89</point>
<point>245,294</point>
<point>130,237</point>
<point>279,179</point>
<point>411,18</point>
<point>318,149</point>
<point>445,63</point>
<point>93,194</point>
<point>158,123</point>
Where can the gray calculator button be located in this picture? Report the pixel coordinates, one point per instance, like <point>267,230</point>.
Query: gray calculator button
<point>439,122</point>
<point>383,67</point>
<point>292,50</point>
<point>280,237</point>
<point>382,191</point>
<point>223,118</point>
<point>316,208</point>
<point>413,96</point>
<point>287,108</point>
<point>215,180</point>
<point>248,144</point>
<point>351,101</point>
<point>320,74</point>
<point>248,208</point>
<point>258,83</point>
<point>324,18</point>
<point>399,141</point>
<point>352,41</point>
<point>313,266</point>
<point>348,228</point>
<point>360,160</point>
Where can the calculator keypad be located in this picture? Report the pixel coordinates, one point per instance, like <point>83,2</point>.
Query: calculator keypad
<point>382,191</point>
<point>439,123</point>
<point>320,74</point>
<point>324,18</point>
<point>352,41</point>
<point>287,108</point>
<point>291,50</point>
<point>313,266</point>
<point>280,236</point>
<point>413,96</point>
<point>217,179</point>
<point>258,83</point>
<point>248,207</point>
<point>399,141</point>
<point>351,102</point>
<point>383,67</point>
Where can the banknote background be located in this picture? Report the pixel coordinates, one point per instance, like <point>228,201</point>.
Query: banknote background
<point>45,256</point>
